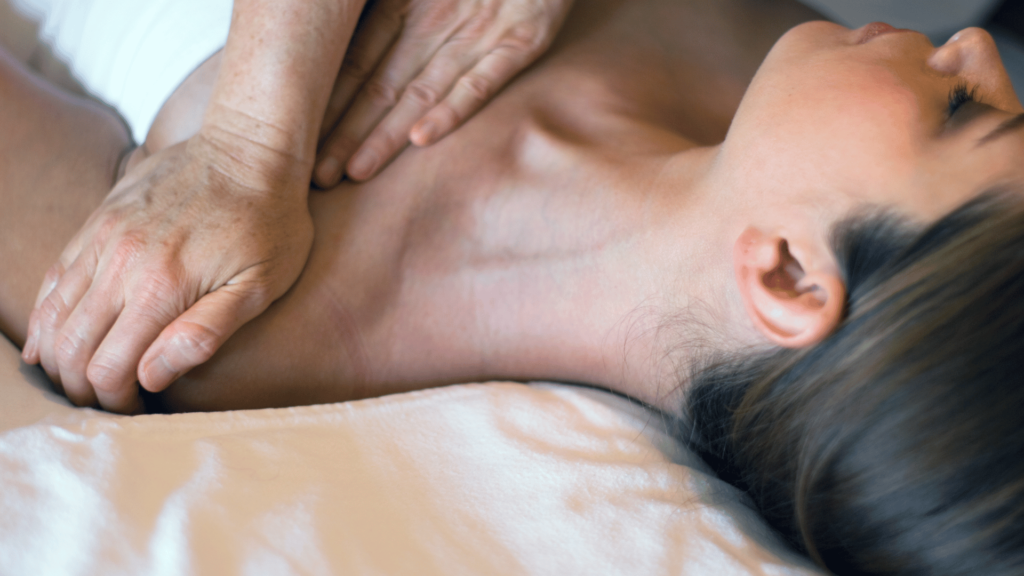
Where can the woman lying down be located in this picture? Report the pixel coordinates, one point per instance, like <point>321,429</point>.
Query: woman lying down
<point>819,268</point>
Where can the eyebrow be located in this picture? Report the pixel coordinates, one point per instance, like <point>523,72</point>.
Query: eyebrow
<point>1004,128</point>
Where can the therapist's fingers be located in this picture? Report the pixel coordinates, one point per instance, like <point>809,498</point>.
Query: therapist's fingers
<point>113,367</point>
<point>30,353</point>
<point>423,117</point>
<point>373,39</point>
<point>371,42</point>
<point>382,92</point>
<point>486,41</point>
<point>471,92</point>
<point>80,336</point>
<point>194,336</point>
<point>422,95</point>
<point>71,254</point>
<point>57,306</point>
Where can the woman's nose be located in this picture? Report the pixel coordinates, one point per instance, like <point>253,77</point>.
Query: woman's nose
<point>971,50</point>
<point>972,56</point>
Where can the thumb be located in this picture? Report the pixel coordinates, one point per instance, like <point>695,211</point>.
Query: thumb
<point>196,335</point>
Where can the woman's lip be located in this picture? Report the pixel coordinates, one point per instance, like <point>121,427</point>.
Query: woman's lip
<point>875,29</point>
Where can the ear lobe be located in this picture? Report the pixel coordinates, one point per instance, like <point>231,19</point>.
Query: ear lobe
<point>792,306</point>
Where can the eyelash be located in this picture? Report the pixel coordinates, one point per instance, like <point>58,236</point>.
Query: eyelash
<point>960,94</point>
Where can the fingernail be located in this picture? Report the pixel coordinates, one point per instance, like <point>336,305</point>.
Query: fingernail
<point>363,165</point>
<point>424,133</point>
<point>328,171</point>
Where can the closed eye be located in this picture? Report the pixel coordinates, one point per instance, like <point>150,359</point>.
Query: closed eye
<point>960,94</point>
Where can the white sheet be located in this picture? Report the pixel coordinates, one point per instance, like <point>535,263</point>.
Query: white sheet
<point>474,479</point>
<point>130,54</point>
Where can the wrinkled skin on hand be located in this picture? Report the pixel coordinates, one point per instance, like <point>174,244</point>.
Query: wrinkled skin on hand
<point>417,69</point>
<point>190,245</point>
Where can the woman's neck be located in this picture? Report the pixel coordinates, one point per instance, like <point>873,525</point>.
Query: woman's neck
<point>598,282</point>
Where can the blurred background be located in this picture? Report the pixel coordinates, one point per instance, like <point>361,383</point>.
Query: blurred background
<point>940,19</point>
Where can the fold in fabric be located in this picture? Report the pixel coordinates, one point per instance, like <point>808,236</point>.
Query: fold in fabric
<point>495,478</point>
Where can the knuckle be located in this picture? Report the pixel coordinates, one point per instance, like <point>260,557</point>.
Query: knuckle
<point>52,309</point>
<point>423,93</point>
<point>110,224</point>
<point>104,374</point>
<point>158,287</point>
<point>436,15</point>
<point>106,227</point>
<point>68,349</point>
<point>260,293</point>
<point>195,342</point>
<point>382,91</point>
<point>53,274</point>
<point>526,38</point>
<point>256,293</point>
<point>478,87</point>
<point>127,249</point>
<point>482,21</point>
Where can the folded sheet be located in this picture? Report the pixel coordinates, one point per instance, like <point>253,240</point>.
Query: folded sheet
<point>496,478</point>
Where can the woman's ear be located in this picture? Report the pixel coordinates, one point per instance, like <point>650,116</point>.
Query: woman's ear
<point>793,303</point>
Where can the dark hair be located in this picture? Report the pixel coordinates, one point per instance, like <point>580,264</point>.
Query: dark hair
<point>896,446</point>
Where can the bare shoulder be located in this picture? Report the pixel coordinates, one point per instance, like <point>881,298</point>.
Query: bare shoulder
<point>682,65</point>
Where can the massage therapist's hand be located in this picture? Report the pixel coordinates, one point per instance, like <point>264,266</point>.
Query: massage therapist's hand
<point>191,244</point>
<point>416,69</point>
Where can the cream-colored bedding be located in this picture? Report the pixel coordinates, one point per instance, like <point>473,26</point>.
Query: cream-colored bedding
<point>497,478</point>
